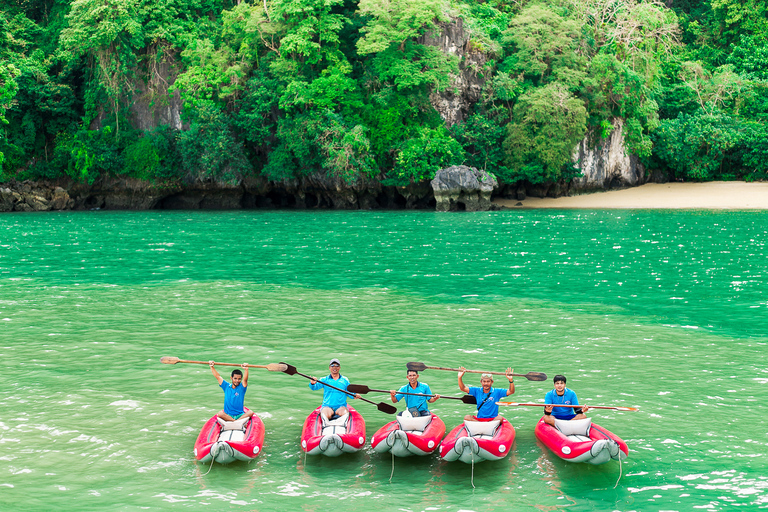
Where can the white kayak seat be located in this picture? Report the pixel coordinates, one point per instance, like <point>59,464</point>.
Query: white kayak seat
<point>481,429</point>
<point>233,425</point>
<point>574,427</point>
<point>414,425</point>
<point>580,439</point>
<point>337,426</point>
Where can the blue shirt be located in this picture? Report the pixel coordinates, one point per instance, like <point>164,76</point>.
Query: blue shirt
<point>332,398</point>
<point>419,402</point>
<point>568,398</point>
<point>234,398</point>
<point>487,408</point>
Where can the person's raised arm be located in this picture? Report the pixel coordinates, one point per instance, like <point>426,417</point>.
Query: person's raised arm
<point>462,386</point>
<point>511,380</point>
<point>215,372</point>
<point>245,375</point>
<point>392,395</point>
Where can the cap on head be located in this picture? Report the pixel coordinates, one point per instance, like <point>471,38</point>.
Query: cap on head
<point>559,378</point>
<point>334,361</point>
<point>486,376</point>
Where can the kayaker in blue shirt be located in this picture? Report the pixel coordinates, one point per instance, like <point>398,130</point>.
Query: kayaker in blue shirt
<point>561,395</point>
<point>334,402</point>
<point>416,405</point>
<point>486,395</point>
<point>234,394</point>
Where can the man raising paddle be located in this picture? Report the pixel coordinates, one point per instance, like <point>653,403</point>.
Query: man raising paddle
<point>486,395</point>
<point>334,402</point>
<point>234,394</point>
<point>416,405</point>
<point>561,395</point>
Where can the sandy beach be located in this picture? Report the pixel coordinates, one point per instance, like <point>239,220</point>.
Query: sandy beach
<point>720,195</point>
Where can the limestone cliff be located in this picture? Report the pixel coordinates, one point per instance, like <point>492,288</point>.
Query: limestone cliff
<point>455,102</point>
<point>607,164</point>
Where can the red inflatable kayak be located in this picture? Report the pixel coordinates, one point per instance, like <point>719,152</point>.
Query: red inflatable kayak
<point>409,436</point>
<point>225,442</point>
<point>475,441</point>
<point>332,438</point>
<point>582,441</point>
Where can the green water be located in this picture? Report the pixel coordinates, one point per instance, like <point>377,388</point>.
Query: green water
<point>661,310</point>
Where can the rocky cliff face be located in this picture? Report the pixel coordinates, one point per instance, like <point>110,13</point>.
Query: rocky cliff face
<point>455,102</point>
<point>152,105</point>
<point>607,165</point>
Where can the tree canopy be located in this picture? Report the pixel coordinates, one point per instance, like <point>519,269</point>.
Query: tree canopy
<point>349,89</point>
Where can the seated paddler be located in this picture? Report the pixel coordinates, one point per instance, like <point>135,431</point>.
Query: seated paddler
<point>334,401</point>
<point>561,395</point>
<point>416,405</point>
<point>486,395</point>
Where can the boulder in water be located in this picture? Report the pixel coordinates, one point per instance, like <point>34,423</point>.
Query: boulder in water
<point>463,188</point>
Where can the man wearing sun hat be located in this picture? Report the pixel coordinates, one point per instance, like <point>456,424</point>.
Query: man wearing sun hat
<point>334,402</point>
<point>486,395</point>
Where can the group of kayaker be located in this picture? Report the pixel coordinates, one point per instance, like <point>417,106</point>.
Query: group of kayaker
<point>335,400</point>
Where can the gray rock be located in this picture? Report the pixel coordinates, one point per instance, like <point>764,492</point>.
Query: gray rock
<point>6,200</point>
<point>37,202</point>
<point>463,188</point>
<point>455,102</point>
<point>607,164</point>
<point>60,200</point>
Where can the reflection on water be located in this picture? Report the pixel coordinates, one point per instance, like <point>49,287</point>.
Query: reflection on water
<point>658,310</point>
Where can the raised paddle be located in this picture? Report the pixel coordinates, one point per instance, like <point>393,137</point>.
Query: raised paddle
<point>573,406</point>
<point>386,408</point>
<point>359,388</point>
<point>420,367</point>
<point>273,367</point>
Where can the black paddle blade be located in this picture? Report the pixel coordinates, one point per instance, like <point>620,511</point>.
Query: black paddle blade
<point>386,408</point>
<point>358,388</point>
<point>469,399</point>
<point>538,376</point>
<point>416,367</point>
<point>290,370</point>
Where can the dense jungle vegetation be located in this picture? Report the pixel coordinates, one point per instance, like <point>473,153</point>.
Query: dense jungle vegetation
<point>285,88</point>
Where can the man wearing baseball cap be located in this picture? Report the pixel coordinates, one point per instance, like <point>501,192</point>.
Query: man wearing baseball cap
<point>486,395</point>
<point>334,402</point>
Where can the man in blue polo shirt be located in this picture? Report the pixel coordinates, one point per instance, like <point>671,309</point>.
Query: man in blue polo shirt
<point>234,394</point>
<point>334,402</point>
<point>486,395</point>
<point>417,405</point>
<point>561,395</point>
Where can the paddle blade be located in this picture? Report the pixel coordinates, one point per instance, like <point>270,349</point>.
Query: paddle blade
<point>416,367</point>
<point>169,360</point>
<point>469,399</point>
<point>358,388</point>
<point>387,408</point>
<point>289,369</point>
<point>538,376</point>
<point>277,367</point>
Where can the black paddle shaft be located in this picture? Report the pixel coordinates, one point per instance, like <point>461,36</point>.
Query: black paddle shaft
<point>386,408</point>
<point>361,388</point>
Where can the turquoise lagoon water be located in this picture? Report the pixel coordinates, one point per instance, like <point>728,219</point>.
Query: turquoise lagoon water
<point>661,310</point>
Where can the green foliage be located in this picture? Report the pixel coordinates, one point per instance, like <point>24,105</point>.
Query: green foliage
<point>415,66</point>
<point>345,89</point>
<point>317,140</point>
<point>750,56</point>
<point>703,146</point>
<point>209,149</point>
<point>421,157</point>
<point>395,22</point>
<point>8,89</point>
<point>548,124</point>
<point>545,45</point>
<point>481,138</point>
